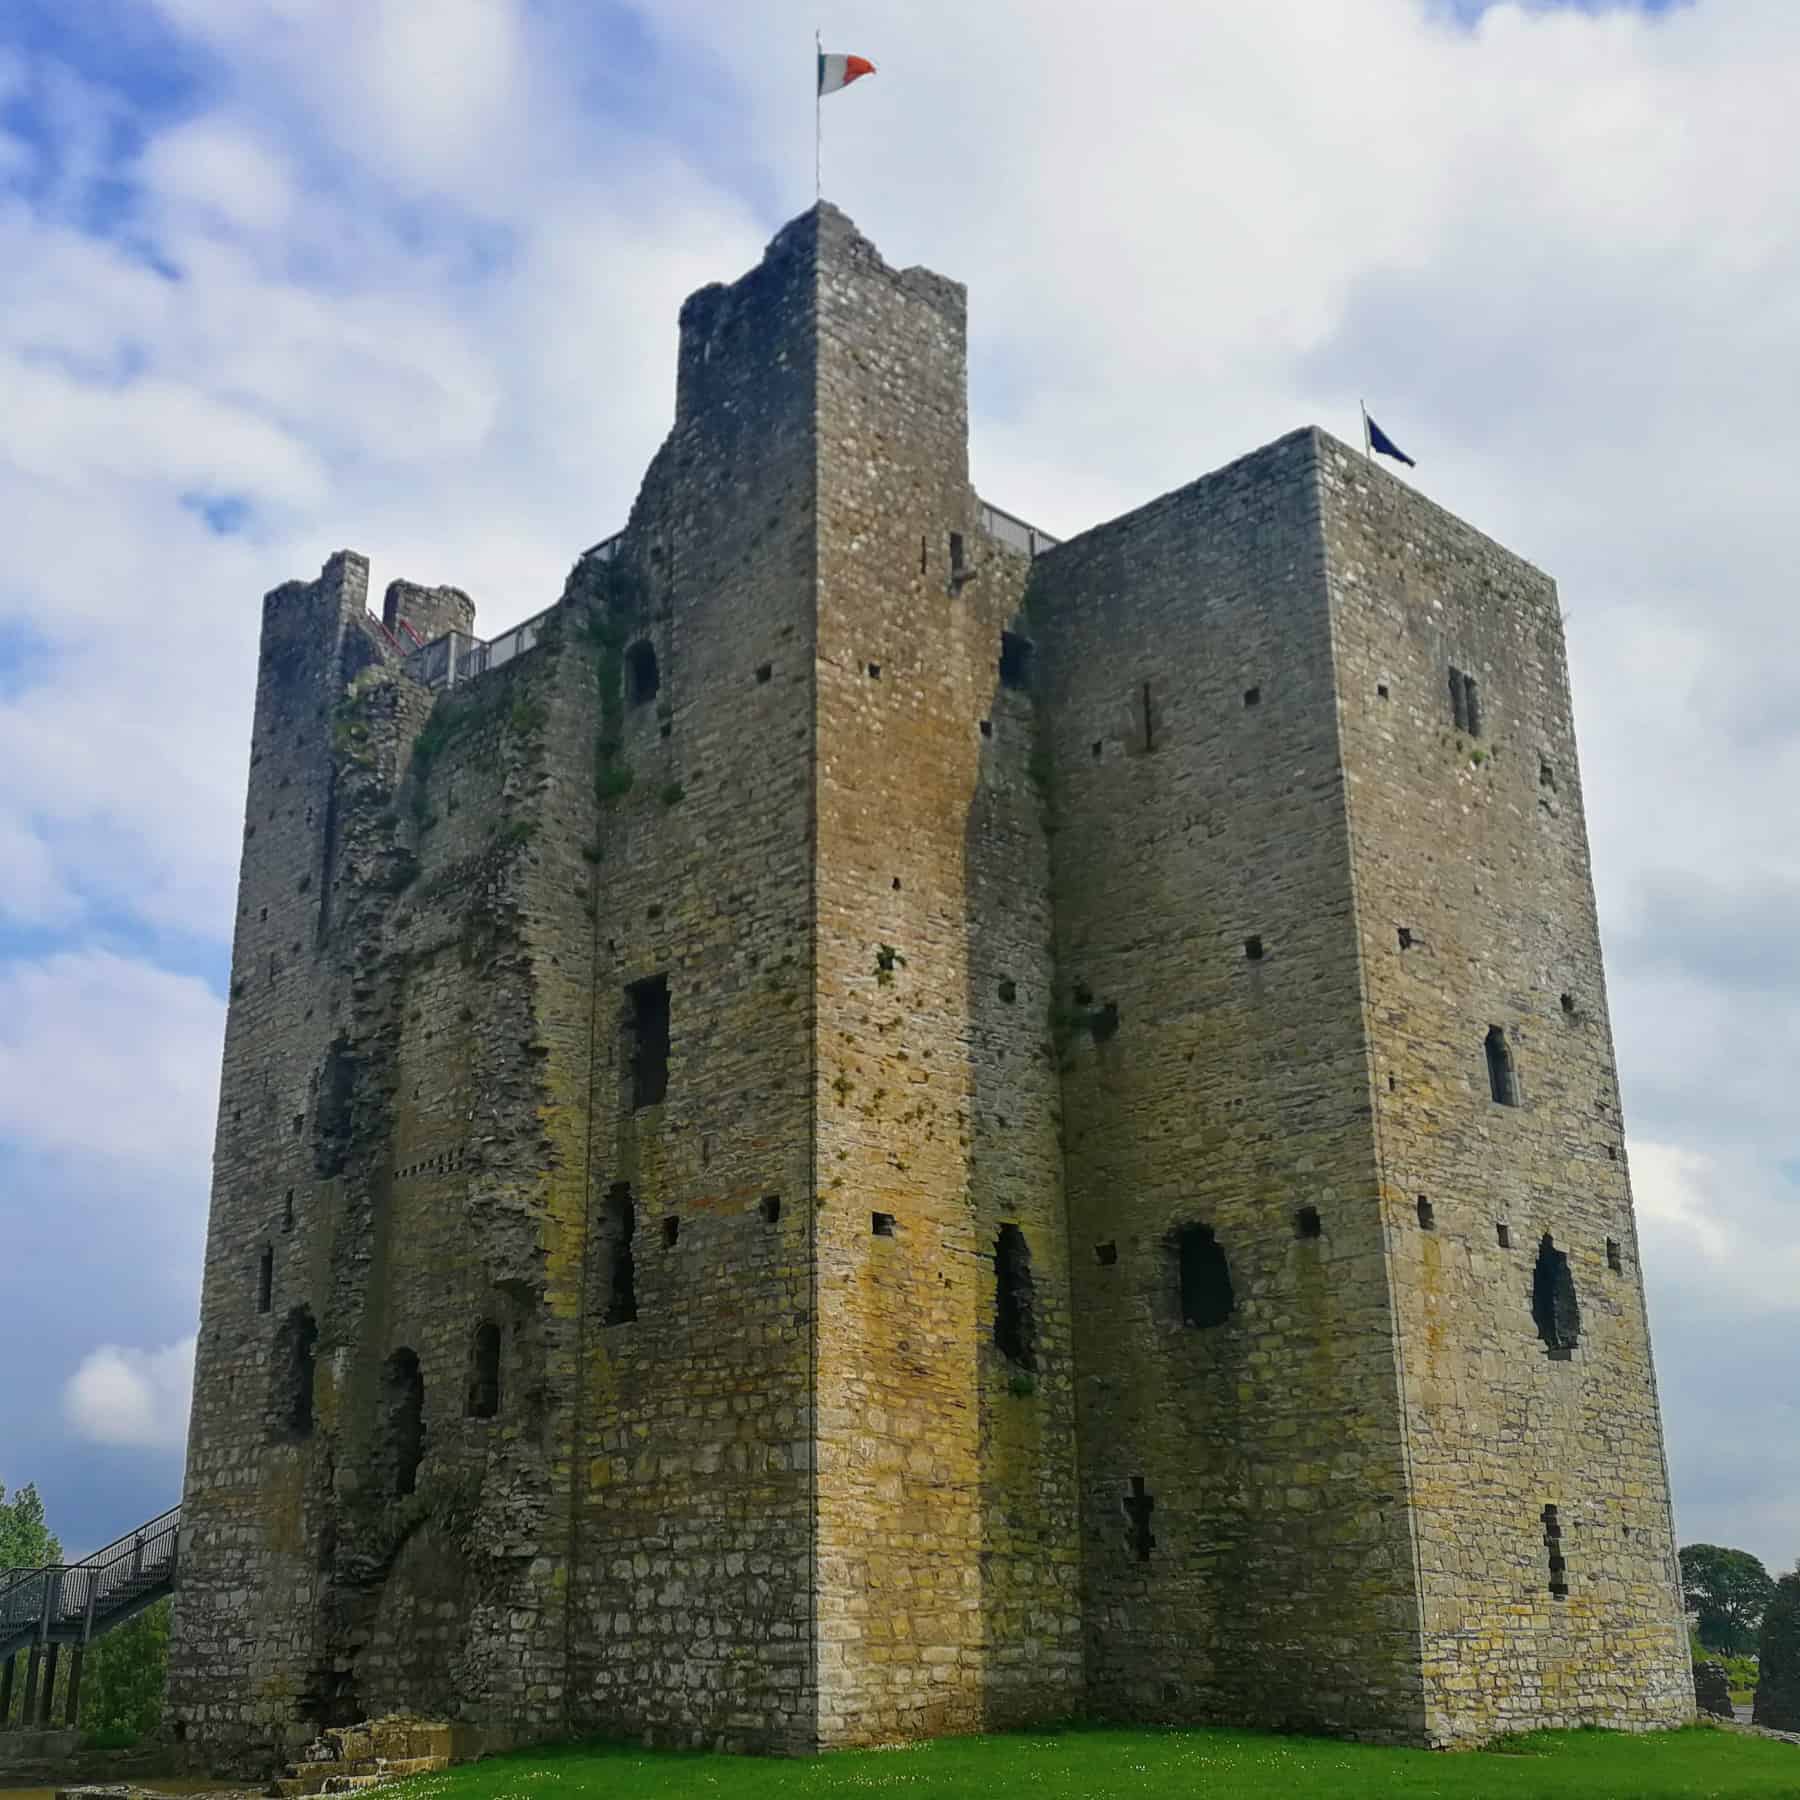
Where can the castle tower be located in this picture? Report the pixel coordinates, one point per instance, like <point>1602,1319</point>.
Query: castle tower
<point>1342,1130</point>
<point>806,1148</point>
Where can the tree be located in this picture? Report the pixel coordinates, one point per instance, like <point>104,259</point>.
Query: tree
<point>1778,1683</point>
<point>1725,1591</point>
<point>122,1687</point>
<point>26,1542</point>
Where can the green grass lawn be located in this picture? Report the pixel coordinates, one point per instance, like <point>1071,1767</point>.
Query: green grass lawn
<point>1084,1764</point>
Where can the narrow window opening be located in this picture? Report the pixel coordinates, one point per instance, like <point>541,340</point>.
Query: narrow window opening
<point>1503,1083</point>
<point>1406,937</point>
<point>1381,690</point>
<point>1253,696</point>
<point>1015,661</point>
<point>957,571</point>
<point>765,672</point>
<point>1555,1309</point>
<point>922,553</point>
<point>1103,1022</point>
<point>1503,1236</point>
<point>1099,746</point>
<point>293,1366</point>
<point>1546,773</point>
<point>1204,1277</point>
<point>771,1209</point>
<point>1615,1256</point>
<point>1008,990</point>
<point>403,1421</point>
<point>1106,1254</point>
<point>287,1213</point>
<point>1393,1084</point>
<point>1015,1299</point>
<point>1427,1214</point>
<point>1472,701</point>
<point>265,1279</point>
<point>1559,1569</point>
<point>484,1372</point>
<point>1459,700</point>
<point>649,1047</point>
<point>1308,1224</point>
<point>642,677</point>
<point>1612,1152</point>
<point>1139,1505</point>
<point>874,671</point>
<point>881,1224</point>
<point>1253,948</point>
<point>618,1226</point>
<point>987,728</point>
<point>671,1232</point>
<point>1568,1004</point>
<point>1149,722</point>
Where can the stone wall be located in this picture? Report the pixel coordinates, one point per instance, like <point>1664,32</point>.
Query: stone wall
<point>1476,911</point>
<point>247,1609</point>
<point>1244,1518</point>
<point>946,1523</point>
<point>693,1565</point>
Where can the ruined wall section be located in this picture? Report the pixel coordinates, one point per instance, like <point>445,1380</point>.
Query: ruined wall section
<point>947,1594</point>
<point>255,1493</point>
<point>691,1467</point>
<point>448,1524</point>
<point>1244,1497</point>
<point>1476,910</point>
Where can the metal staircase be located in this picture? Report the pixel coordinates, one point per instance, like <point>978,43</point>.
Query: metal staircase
<point>41,1610</point>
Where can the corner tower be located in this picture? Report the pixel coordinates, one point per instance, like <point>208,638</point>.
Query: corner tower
<point>1360,1338</point>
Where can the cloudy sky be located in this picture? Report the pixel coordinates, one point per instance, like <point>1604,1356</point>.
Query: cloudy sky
<point>279,276</point>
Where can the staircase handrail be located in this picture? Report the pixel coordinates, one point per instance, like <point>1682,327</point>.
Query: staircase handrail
<point>60,1591</point>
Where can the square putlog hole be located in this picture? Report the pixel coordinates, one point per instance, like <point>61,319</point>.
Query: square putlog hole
<point>881,1224</point>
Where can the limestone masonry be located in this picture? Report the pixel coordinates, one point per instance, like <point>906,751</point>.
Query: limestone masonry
<point>878,1126</point>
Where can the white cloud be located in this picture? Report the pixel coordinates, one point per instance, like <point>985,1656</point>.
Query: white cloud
<point>105,1056</point>
<point>135,1398</point>
<point>427,264</point>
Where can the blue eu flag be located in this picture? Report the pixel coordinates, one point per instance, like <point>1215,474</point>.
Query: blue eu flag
<point>1384,445</point>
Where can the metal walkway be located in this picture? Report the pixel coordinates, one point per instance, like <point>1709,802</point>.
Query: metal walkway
<point>41,1610</point>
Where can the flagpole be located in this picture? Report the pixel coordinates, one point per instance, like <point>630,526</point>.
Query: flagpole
<point>1368,445</point>
<point>818,123</point>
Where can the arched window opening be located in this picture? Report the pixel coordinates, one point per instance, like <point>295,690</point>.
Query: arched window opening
<point>618,1225</point>
<point>484,1372</point>
<point>1205,1277</point>
<point>642,677</point>
<point>1554,1305</point>
<point>1503,1081</point>
<point>292,1396</point>
<point>403,1420</point>
<point>1015,1299</point>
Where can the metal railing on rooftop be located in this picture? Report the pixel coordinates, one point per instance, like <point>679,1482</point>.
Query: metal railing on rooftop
<point>458,656</point>
<point>1013,531</point>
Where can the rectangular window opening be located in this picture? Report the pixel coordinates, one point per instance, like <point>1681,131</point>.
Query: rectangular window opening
<point>1615,1256</point>
<point>1106,1254</point>
<point>649,1048</point>
<point>1253,948</point>
<point>1015,661</point>
<point>771,1209</point>
<point>881,1224</point>
<point>1503,1236</point>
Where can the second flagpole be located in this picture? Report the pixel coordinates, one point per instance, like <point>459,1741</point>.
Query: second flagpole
<point>818,122</point>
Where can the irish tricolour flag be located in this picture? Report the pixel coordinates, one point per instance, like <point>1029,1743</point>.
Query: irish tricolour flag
<point>839,71</point>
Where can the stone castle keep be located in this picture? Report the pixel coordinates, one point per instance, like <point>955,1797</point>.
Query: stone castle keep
<point>879,1126</point>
